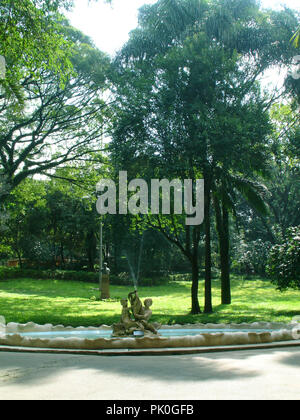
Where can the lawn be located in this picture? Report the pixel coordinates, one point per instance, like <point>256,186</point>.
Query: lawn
<point>74,303</point>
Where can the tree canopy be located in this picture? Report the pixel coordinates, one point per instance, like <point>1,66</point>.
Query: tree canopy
<point>183,99</point>
<point>190,106</point>
<point>57,122</point>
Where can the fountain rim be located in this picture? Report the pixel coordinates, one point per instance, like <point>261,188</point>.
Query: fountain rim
<point>261,325</point>
<point>281,335</point>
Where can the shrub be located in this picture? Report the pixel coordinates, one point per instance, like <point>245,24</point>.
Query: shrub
<point>122,279</point>
<point>16,273</point>
<point>284,262</point>
<point>251,257</point>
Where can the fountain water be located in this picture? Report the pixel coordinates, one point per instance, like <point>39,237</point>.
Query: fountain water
<point>135,282</point>
<point>140,258</point>
<point>136,276</point>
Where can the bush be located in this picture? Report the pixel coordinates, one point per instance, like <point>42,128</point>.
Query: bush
<point>122,279</point>
<point>251,257</point>
<point>16,273</point>
<point>284,262</point>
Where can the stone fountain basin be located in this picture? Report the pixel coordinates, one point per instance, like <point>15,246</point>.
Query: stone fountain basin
<point>176,336</point>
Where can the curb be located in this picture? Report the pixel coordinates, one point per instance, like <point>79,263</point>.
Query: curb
<point>153,352</point>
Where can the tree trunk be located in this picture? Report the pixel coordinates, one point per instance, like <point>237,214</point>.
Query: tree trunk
<point>224,252</point>
<point>62,257</point>
<point>91,245</point>
<point>195,286</point>
<point>207,203</point>
<point>20,259</point>
<point>222,225</point>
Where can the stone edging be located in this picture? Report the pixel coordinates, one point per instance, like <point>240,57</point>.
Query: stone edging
<point>281,332</point>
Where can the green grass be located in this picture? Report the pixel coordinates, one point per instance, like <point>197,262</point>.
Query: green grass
<point>73,303</point>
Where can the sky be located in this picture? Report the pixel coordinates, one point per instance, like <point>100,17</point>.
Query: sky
<point>109,26</point>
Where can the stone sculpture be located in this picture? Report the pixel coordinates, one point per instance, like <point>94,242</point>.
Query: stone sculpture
<point>141,315</point>
<point>105,294</point>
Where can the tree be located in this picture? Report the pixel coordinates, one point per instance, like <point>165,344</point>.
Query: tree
<point>189,104</point>
<point>283,199</point>
<point>259,231</point>
<point>51,223</point>
<point>284,261</point>
<point>24,218</point>
<point>58,124</point>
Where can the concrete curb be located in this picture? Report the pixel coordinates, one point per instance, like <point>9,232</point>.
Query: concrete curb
<point>153,352</point>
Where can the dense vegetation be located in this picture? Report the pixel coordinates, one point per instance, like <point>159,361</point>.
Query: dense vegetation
<point>181,100</point>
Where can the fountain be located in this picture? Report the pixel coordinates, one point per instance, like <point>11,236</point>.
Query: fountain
<point>135,331</point>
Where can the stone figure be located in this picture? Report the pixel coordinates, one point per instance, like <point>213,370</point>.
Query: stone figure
<point>105,269</point>
<point>145,315</point>
<point>136,303</point>
<point>126,326</point>
<point>141,314</point>
<point>105,284</point>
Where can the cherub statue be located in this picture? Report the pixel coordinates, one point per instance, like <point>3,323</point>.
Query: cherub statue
<point>141,314</point>
<point>126,326</point>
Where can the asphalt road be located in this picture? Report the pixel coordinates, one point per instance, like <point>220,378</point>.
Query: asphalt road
<point>252,374</point>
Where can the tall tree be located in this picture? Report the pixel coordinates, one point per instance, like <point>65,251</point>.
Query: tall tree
<point>188,100</point>
<point>58,123</point>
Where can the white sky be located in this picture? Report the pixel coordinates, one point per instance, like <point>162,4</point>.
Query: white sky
<point>109,26</point>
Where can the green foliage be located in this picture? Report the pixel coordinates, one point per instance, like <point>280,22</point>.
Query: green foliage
<point>284,262</point>
<point>286,137</point>
<point>30,41</point>
<point>44,221</point>
<point>251,257</point>
<point>58,122</point>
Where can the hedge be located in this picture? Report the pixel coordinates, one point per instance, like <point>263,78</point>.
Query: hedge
<point>17,273</point>
<point>122,279</point>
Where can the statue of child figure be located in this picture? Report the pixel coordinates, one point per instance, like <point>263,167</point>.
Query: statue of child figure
<point>126,326</point>
<point>142,314</point>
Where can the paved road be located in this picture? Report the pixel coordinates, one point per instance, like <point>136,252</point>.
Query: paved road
<point>264,374</point>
